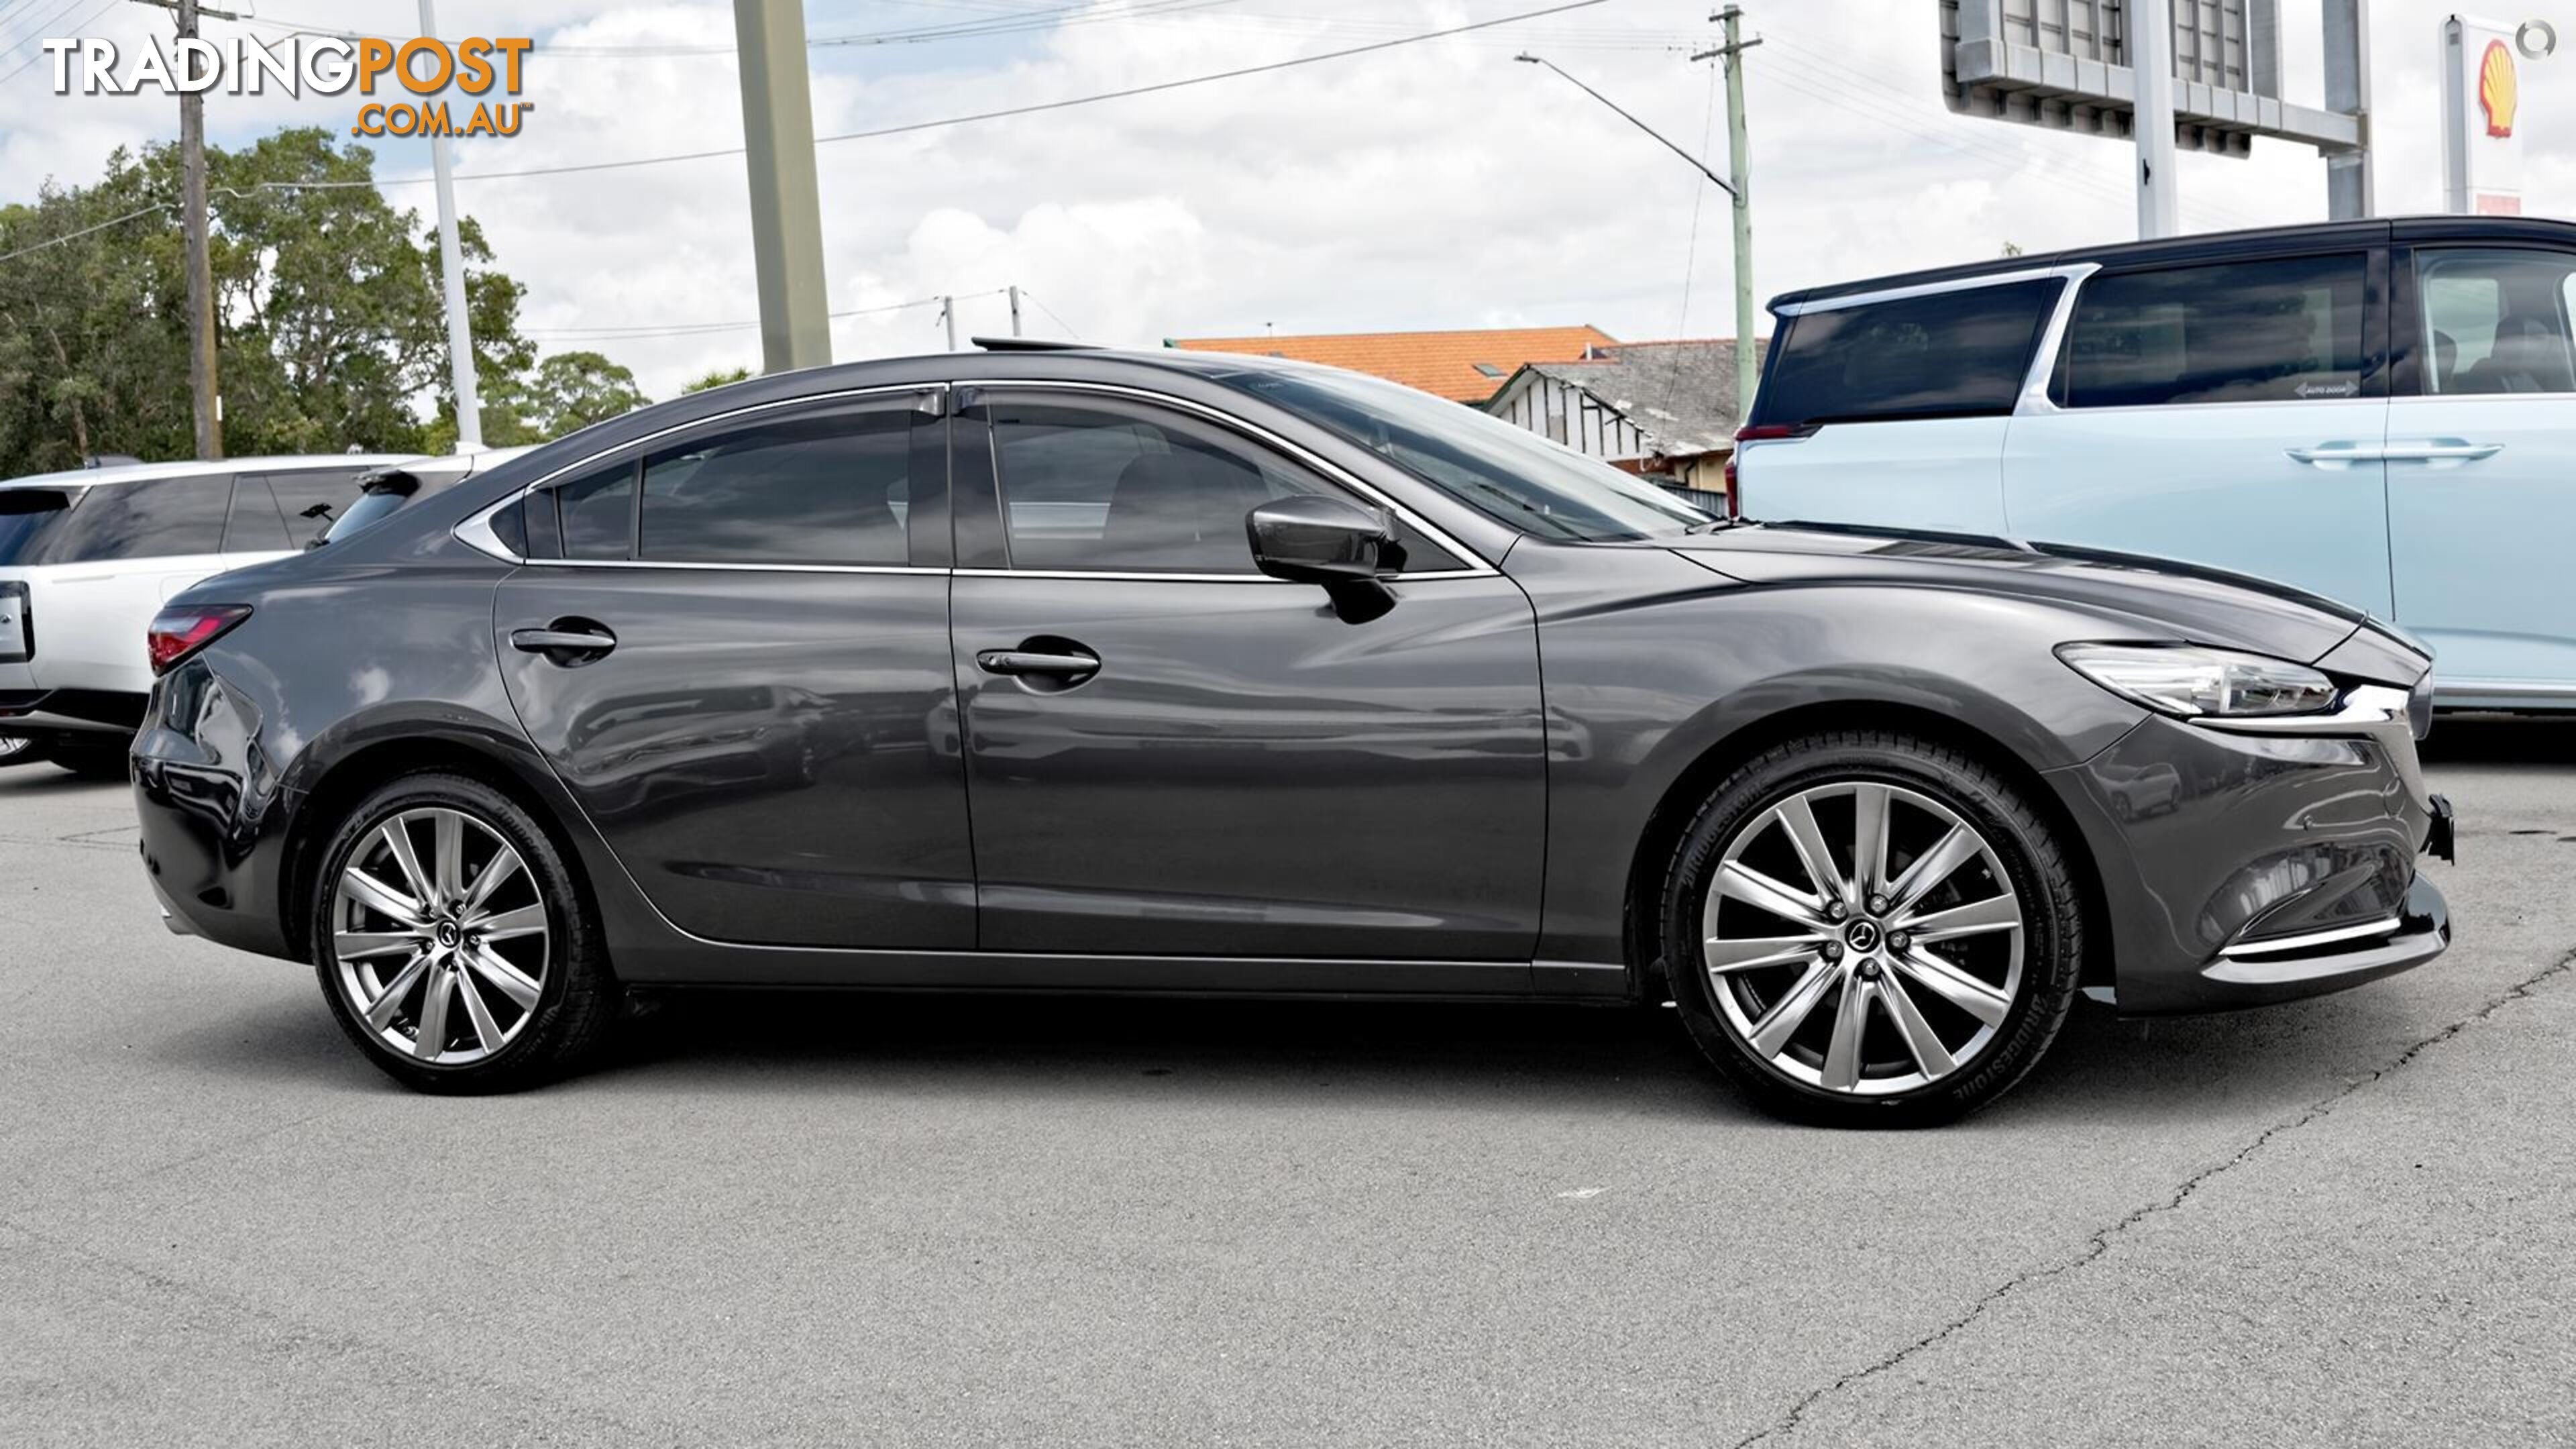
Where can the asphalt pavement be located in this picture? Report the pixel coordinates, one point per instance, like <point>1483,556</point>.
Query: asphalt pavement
<point>801,1219</point>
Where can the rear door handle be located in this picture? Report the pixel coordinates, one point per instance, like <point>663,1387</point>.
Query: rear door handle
<point>1016,662</point>
<point>565,642</point>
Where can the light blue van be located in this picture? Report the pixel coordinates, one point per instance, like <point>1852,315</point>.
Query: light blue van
<point>2383,412</point>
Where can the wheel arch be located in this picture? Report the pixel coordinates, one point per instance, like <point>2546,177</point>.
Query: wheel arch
<point>1673,811</point>
<point>350,778</point>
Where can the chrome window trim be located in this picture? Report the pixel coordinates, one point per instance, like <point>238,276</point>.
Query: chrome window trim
<point>1935,289</point>
<point>2034,400</point>
<point>477,533</point>
<point>1478,565</point>
<point>1141,576</point>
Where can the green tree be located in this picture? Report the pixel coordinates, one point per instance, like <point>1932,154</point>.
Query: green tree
<point>572,390</point>
<point>330,325</point>
<point>721,377</point>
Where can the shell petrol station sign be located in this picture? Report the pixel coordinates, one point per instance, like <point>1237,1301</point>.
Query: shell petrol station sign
<point>2483,66</point>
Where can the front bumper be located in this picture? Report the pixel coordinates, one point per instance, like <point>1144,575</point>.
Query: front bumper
<point>2244,868</point>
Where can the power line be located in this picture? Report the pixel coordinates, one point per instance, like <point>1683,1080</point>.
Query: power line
<point>38,34</point>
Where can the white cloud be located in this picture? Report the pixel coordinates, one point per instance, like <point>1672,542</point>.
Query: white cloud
<point>1434,185</point>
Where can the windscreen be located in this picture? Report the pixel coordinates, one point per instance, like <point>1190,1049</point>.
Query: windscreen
<point>27,517</point>
<point>1505,472</point>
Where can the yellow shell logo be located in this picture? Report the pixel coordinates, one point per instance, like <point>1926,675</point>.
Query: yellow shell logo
<point>2496,88</point>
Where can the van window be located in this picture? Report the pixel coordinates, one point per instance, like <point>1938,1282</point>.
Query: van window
<point>27,517</point>
<point>2496,321</point>
<point>2284,330</point>
<point>162,518</point>
<point>1963,353</point>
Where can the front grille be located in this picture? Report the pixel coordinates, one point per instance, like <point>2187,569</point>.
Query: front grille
<point>19,701</point>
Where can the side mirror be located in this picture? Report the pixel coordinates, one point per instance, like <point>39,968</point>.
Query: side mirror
<point>1312,539</point>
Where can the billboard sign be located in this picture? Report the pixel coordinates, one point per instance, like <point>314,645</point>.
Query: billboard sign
<point>2481,101</point>
<point>2064,65</point>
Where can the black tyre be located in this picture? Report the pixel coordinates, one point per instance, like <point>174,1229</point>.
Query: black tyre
<point>454,943</point>
<point>92,762</point>
<point>1900,990</point>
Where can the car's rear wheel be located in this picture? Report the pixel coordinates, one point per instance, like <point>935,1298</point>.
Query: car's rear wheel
<point>453,942</point>
<point>1871,929</point>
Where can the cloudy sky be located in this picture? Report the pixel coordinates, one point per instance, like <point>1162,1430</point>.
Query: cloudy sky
<point>1430,185</point>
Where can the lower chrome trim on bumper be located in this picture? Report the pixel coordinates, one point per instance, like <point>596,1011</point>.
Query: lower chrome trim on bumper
<point>2310,940</point>
<point>2422,931</point>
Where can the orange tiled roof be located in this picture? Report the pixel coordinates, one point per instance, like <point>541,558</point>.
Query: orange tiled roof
<point>1443,363</point>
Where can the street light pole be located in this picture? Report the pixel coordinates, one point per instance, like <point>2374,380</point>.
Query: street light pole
<point>202,389</point>
<point>451,266</point>
<point>1746,368</point>
<point>2151,62</point>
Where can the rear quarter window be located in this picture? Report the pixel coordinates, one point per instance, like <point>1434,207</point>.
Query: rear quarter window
<point>1948,354</point>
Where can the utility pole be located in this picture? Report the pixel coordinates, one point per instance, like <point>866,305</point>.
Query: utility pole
<point>1015,309</point>
<point>2150,25</point>
<point>1739,169</point>
<point>786,200</point>
<point>948,318</point>
<point>451,263</point>
<point>201,277</point>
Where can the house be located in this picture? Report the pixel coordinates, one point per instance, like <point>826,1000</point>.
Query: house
<point>1463,366</point>
<point>1664,410</point>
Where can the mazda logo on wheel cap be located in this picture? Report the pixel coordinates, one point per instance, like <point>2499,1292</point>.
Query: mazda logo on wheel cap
<point>445,932</point>
<point>1861,935</point>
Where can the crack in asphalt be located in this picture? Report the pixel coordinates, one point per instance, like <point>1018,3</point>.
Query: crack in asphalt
<point>2101,1241</point>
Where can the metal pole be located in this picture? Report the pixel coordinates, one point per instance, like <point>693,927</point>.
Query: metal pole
<point>1015,310</point>
<point>1739,168</point>
<point>786,200</point>
<point>2348,179</point>
<point>202,389</point>
<point>948,315</point>
<point>2150,25</point>
<point>451,266</point>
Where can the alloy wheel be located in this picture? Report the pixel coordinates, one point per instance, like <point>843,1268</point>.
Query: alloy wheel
<point>440,937</point>
<point>1863,938</point>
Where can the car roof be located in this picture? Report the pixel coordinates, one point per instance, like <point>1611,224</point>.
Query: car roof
<point>2211,246</point>
<point>146,472</point>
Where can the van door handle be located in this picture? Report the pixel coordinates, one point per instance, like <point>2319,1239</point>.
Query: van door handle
<point>2337,455</point>
<point>2436,449</point>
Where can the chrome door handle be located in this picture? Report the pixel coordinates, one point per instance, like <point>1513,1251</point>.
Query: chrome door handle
<point>2440,448</point>
<point>1016,662</point>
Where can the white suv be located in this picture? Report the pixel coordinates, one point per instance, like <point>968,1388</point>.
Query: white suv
<point>86,559</point>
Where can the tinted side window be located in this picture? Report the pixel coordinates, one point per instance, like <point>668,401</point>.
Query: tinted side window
<point>2496,321</point>
<point>1950,354</point>
<point>309,501</point>
<point>164,518</point>
<point>2283,330</point>
<point>823,490</point>
<point>1142,491</point>
<point>598,514</point>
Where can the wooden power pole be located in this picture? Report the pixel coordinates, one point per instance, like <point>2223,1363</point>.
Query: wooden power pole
<point>201,280</point>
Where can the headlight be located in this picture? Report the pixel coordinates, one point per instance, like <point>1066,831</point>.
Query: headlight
<point>2187,681</point>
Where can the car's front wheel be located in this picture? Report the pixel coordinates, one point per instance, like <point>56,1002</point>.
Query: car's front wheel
<point>1866,928</point>
<point>453,942</point>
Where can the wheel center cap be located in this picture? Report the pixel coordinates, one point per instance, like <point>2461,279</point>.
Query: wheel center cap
<point>446,934</point>
<point>1861,935</point>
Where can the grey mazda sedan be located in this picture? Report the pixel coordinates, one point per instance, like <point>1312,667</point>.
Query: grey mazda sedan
<point>1063,669</point>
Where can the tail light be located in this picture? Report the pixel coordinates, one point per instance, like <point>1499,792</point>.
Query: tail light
<point>1755,433</point>
<point>179,632</point>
